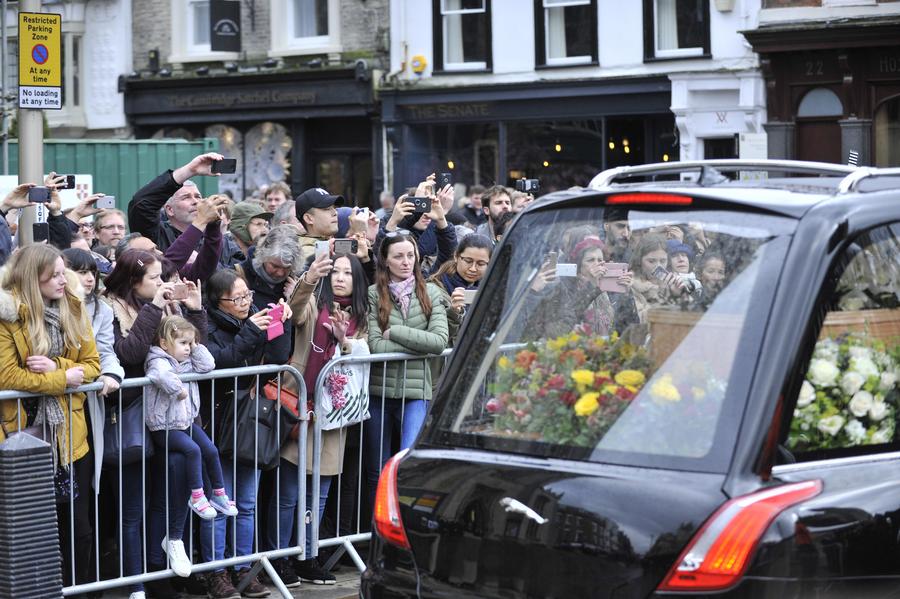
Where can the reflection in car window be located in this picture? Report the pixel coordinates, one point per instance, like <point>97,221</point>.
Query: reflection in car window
<point>849,396</point>
<point>616,334</point>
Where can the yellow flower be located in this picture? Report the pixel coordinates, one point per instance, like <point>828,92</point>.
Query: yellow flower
<point>633,378</point>
<point>610,388</point>
<point>503,362</point>
<point>583,377</point>
<point>557,344</point>
<point>604,374</point>
<point>573,338</point>
<point>587,404</point>
<point>664,390</point>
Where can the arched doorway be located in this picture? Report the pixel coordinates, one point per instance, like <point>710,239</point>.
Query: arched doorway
<point>887,133</point>
<point>818,131</point>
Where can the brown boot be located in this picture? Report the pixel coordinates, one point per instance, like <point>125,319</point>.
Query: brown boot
<point>218,586</point>
<point>254,588</point>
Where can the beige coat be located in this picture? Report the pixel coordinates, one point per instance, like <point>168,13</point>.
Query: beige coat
<point>305,313</point>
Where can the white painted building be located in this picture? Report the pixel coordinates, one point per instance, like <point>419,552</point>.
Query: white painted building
<point>669,78</point>
<point>96,40</point>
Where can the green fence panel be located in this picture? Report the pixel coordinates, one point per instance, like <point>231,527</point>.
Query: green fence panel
<point>120,167</point>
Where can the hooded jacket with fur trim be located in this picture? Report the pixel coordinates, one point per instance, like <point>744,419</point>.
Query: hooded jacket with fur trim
<point>15,348</point>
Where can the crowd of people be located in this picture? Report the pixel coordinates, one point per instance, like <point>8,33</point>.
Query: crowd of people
<point>184,284</point>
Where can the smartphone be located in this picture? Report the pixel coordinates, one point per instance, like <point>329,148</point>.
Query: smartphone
<point>106,202</point>
<point>276,327</point>
<point>469,298</point>
<point>660,273</point>
<point>420,205</point>
<point>444,179</point>
<point>346,246</point>
<point>322,249</point>
<point>610,281</point>
<point>179,292</point>
<point>226,166</point>
<point>39,194</point>
<point>552,260</point>
<point>70,182</point>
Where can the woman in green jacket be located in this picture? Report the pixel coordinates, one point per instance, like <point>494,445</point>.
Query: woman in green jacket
<point>406,315</point>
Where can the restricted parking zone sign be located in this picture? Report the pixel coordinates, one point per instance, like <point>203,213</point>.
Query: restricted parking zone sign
<point>40,64</point>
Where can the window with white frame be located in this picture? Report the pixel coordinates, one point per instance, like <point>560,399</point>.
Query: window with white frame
<point>191,31</point>
<point>566,32</point>
<point>305,27</point>
<point>676,28</point>
<point>462,35</point>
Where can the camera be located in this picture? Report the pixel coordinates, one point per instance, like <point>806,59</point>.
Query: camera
<point>226,166</point>
<point>106,202</point>
<point>346,246</point>
<point>691,282</point>
<point>39,194</point>
<point>70,182</point>
<point>444,179</point>
<point>179,292</point>
<point>528,185</point>
<point>420,205</point>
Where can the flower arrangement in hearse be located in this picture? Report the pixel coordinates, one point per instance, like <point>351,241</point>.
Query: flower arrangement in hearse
<point>849,396</point>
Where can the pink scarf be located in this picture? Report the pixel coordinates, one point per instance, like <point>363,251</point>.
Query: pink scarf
<point>402,292</point>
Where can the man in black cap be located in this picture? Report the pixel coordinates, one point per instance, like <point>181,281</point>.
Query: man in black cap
<point>618,234</point>
<point>316,210</point>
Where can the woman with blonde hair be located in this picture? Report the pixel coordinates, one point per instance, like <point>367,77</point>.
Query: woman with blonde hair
<point>47,346</point>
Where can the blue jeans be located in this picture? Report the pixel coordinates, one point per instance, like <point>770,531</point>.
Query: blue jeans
<point>377,431</point>
<point>215,534</point>
<point>197,450</point>
<point>283,513</point>
<point>131,516</point>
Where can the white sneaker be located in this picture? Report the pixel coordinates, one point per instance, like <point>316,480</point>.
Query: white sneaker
<point>202,508</point>
<point>137,595</point>
<point>178,559</point>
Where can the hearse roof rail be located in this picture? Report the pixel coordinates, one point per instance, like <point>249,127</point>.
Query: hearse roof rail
<point>851,182</point>
<point>609,176</point>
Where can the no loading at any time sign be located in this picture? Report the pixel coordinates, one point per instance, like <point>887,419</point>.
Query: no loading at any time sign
<point>40,65</point>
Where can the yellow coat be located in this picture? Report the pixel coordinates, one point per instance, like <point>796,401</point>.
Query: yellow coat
<point>15,347</point>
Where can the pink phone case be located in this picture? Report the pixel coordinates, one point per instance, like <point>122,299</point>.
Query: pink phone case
<point>610,282</point>
<point>276,327</point>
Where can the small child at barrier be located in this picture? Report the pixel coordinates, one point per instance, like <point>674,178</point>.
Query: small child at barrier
<point>172,407</point>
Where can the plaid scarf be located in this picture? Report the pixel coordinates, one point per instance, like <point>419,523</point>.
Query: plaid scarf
<point>49,411</point>
<point>402,292</point>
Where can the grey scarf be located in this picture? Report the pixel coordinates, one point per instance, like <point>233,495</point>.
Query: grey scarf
<point>49,412</point>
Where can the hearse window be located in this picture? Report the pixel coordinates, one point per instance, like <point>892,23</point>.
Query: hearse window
<point>625,336</point>
<point>849,397</point>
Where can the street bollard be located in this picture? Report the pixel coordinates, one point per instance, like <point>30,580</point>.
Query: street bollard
<point>30,562</point>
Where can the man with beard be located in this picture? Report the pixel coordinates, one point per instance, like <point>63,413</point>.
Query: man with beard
<point>618,234</point>
<point>495,202</point>
<point>249,224</point>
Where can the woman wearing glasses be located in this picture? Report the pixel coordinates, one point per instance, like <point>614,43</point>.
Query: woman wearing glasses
<point>407,315</point>
<point>460,274</point>
<point>237,338</point>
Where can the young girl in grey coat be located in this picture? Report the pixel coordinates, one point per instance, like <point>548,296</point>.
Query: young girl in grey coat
<point>172,408</point>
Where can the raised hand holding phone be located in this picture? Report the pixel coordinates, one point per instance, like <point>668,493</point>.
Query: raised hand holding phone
<point>276,326</point>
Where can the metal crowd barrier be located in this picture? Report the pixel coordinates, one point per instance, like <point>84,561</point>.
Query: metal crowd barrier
<point>344,541</point>
<point>95,406</point>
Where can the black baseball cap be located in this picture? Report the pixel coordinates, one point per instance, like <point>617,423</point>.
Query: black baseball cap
<point>315,197</point>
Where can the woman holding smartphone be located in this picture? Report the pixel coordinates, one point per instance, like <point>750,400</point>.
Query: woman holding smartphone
<point>459,277</point>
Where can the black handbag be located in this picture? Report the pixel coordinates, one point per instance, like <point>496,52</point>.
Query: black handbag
<point>135,438</point>
<point>258,436</point>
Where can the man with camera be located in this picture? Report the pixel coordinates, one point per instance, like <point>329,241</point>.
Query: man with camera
<point>316,209</point>
<point>495,202</point>
<point>174,192</point>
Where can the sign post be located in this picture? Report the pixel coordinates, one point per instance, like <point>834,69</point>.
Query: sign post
<point>40,87</point>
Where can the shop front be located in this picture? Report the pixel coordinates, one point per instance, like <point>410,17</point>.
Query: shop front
<point>562,133</point>
<point>307,128</point>
<point>832,88</point>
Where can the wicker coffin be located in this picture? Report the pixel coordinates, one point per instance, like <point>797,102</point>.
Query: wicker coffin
<point>717,337</point>
<point>878,324</point>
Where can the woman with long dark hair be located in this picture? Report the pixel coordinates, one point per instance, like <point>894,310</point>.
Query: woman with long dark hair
<point>46,346</point>
<point>330,308</point>
<point>407,315</point>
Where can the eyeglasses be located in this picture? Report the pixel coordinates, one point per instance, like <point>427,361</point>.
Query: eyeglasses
<point>113,227</point>
<point>239,300</point>
<point>469,262</point>
<point>397,233</point>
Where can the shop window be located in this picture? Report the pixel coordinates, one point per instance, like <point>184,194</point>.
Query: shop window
<point>849,398</point>
<point>820,102</point>
<point>305,27</point>
<point>190,33</point>
<point>676,29</point>
<point>565,32</point>
<point>887,133</point>
<point>462,35</point>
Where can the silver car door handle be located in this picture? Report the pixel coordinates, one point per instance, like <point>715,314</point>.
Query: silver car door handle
<point>514,505</point>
